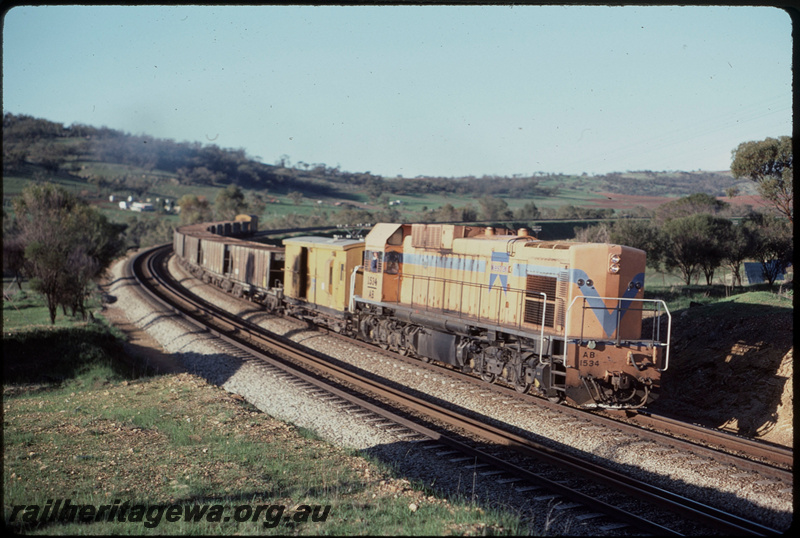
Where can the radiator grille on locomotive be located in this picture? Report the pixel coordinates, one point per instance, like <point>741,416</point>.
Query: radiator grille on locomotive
<point>534,303</point>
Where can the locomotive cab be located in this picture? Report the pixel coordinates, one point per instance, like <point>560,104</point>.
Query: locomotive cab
<point>383,262</point>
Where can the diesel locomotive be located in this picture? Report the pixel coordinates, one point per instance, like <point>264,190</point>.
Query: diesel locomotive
<point>563,320</point>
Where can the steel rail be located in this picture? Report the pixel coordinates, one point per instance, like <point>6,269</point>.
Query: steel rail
<point>773,453</point>
<point>778,462</point>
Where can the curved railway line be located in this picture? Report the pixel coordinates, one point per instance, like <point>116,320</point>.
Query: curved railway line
<point>447,429</point>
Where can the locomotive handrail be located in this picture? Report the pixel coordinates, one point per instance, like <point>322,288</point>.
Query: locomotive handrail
<point>655,338</point>
<point>544,317</point>
<point>352,305</point>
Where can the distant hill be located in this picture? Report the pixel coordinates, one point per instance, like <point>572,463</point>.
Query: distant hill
<point>108,160</point>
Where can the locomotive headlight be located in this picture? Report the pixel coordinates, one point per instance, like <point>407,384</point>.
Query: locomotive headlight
<point>613,264</point>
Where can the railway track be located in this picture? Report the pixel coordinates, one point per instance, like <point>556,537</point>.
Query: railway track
<point>768,460</point>
<point>766,455</point>
<point>317,373</point>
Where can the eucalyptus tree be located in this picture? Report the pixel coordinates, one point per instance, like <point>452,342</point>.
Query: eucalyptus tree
<point>194,209</point>
<point>773,244</point>
<point>695,244</point>
<point>66,245</point>
<point>769,163</point>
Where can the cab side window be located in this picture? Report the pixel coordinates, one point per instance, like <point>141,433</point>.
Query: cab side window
<point>373,261</point>
<point>393,261</point>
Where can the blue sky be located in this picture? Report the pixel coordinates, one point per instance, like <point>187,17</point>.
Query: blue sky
<point>412,90</point>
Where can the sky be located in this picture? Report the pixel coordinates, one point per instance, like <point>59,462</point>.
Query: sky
<point>444,91</point>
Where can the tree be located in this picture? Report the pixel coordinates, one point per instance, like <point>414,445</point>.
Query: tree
<point>641,234</point>
<point>494,208</point>
<point>49,155</point>
<point>692,245</point>
<point>690,205</point>
<point>229,202</point>
<point>774,244</point>
<point>717,230</point>
<point>528,211</point>
<point>140,186</point>
<point>13,249</point>
<point>145,232</point>
<point>732,192</point>
<point>740,244</point>
<point>599,233</point>
<point>67,244</point>
<point>373,187</point>
<point>568,212</point>
<point>769,163</point>
<point>258,203</point>
<point>194,209</point>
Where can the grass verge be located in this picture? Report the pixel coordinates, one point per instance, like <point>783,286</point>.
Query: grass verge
<point>175,455</point>
<point>177,441</point>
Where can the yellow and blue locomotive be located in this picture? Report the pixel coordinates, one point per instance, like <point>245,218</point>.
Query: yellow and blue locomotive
<point>564,318</point>
<point>561,319</point>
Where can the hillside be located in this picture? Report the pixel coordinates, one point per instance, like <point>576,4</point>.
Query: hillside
<point>102,161</point>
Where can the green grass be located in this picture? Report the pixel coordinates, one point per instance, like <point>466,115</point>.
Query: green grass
<point>27,308</point>
<point>24,308</point>
<point>13,185</point>
<point>80,425</point>
<point>175,440</point>
<point>760,297</point>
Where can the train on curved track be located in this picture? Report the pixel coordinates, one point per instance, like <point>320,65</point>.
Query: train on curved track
<point>562,320</point>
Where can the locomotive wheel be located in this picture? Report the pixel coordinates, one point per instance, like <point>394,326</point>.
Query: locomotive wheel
<point>521,386</point>
<point>489,378</point>
<point>408,338</point>
<point>518,372</point>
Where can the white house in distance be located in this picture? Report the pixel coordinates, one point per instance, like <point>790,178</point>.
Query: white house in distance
<point>142,206</point>
<point>167,204</point>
